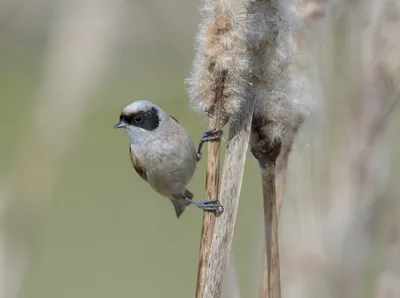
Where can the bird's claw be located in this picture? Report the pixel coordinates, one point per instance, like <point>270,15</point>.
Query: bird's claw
<point>209,205</point>
<point>212,206</point>
<point>216,207</point>
<point>211,135</point>
<point>208,136</point>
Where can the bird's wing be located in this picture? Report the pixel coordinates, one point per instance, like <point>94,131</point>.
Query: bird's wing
<point>174,118</point>
<point>138,168</point>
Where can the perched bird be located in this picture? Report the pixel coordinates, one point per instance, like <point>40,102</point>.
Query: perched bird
<point>163,154</point>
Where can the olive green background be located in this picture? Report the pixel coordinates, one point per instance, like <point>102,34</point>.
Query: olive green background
<point>88,225</point>
<point>105,233</point>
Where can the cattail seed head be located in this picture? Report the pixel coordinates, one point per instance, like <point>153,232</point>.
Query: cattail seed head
<point>232,47</point>
<point>285,99</point>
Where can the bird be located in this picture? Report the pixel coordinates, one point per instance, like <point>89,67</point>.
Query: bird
<point>163,154</point>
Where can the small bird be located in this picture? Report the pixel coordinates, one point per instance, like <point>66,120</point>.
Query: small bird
<point>163,154</point>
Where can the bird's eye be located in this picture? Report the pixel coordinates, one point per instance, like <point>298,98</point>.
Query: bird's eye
<point>138,119</point>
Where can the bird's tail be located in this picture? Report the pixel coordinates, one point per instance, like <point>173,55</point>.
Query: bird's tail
<point>180,204</point>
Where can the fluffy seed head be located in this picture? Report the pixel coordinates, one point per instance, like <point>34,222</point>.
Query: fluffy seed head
<point>285,98</point>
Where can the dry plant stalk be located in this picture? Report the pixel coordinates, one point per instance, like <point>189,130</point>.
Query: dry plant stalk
<point>232,49</point>
<point>232,176</point>
<point>274,183</point>
<point>267,154</point>
<point>271,227</point>
<point>212,183</point>
<point>273,175</point>
<point>216,105</point>
<point>283,103</point>
<point>273,170</point>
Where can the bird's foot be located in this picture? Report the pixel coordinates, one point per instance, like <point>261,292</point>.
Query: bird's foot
<point>211,135</point>
<point>208,205</point>
<point>208,136</point>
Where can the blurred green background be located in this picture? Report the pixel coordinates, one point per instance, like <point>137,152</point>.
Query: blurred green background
<point>97,229</point>
<point>77,221</point>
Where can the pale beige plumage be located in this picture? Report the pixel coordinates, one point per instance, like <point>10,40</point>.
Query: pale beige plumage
<point>162,153</point>
<point>167,161</point>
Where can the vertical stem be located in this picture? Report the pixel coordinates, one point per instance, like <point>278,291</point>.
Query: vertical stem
<point>232,176</point>
<point>271,287</point>
<point>212,182</point>
<point>273,176</point>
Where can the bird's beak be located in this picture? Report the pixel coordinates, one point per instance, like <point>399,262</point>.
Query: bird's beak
<point>120,124</point>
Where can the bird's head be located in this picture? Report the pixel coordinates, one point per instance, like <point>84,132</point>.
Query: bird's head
<point>141,119</point>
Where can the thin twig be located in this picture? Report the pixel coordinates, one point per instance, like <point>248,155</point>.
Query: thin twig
<point>239,135</point>
<point>270,283</point>
<point>217,121</point>
<point>212,183</point>
<point>273,192</point>
<point>270,286</point>
<point>271,228</point>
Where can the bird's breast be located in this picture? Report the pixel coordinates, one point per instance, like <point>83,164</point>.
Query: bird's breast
<point>168,168</point>
<point>137,165</point>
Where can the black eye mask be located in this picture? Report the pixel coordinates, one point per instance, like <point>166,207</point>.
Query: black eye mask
<point>148,120</point>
